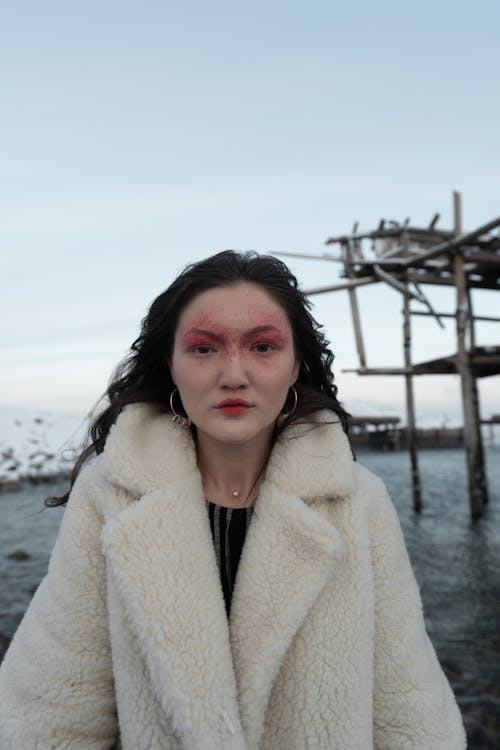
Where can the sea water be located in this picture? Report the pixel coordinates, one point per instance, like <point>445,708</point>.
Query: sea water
<point>456,563</point>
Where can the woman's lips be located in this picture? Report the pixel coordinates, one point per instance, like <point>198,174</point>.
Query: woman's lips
<point>233,407</point>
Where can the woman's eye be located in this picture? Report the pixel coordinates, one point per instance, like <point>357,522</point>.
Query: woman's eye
<point>202,349</point>
<point>263,348</point>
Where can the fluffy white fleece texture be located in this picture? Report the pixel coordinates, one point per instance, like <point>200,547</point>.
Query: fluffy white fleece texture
<point>127,645</point>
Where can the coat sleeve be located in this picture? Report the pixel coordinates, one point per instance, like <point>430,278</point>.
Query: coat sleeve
<point>56,686</point>
<point>414,706</point>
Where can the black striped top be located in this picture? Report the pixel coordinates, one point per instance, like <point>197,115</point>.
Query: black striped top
<point>229,527</point>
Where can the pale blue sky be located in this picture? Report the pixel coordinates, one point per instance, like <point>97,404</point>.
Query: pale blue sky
<point>136,137</point>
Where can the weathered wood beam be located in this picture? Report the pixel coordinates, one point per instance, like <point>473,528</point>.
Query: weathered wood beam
<point>411,429</point>
<point>309,256</point>
<point>485,283</point>
<point>457,213</point>
<point>481,475</point>
<point>452,245</point>
<point>433,280</point>
<point>349,284</point>
<point>475,396</point>
<point>489,283</point>
<point>353,301</point>
<point>394,282</point>
<point>420,276</point>
<point>427,302</point>
<point>454,315</point>
<point>389,232</point>
<point>379,370</point>
<point>491,260</point>
<point>399,263</point>
<point>356,322</point>
<point>405,291</point>
<point>472,431</point>
<point>470,319</point>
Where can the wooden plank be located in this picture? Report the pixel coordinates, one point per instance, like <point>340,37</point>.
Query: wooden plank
<point>451,245</point>
<point>356,318</point>
<point>492,282</point>
<point>390,232</point>
<point>483,362</point>
<point>378,370</point>
<point>483,259</point>
<point>308,256</point>
<point>356,322</point>
<point>349,284</point>
<point>453,315</point>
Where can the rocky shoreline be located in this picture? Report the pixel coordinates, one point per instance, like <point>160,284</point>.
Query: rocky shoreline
<point>21,482</point>
<point>36,447</point>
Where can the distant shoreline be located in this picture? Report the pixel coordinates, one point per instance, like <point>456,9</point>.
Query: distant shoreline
<point>37,447</point>
<point>20,483</point>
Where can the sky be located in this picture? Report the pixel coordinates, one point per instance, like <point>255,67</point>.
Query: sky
<point>136,137</point>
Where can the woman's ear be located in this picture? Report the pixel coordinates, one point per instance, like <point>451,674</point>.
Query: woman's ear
<point>169,365</point>
<point>295,371</point>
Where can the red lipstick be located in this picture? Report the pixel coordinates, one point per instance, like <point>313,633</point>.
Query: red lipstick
<point>234,406</point>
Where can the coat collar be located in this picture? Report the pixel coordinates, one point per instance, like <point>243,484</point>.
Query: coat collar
<point>214,678</point>
<point>145,451</point>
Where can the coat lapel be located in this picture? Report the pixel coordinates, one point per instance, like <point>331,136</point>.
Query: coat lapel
<point>289,555</point>
<point>162,562</point>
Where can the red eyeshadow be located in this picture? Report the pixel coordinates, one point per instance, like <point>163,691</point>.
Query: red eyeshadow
<point>267,337</point>
<point>206,332</point>
<point>195,339</point>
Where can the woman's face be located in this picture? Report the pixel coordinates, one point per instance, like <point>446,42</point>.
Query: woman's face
<point>233,362</point>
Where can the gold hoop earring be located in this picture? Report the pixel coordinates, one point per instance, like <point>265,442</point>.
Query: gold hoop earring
<point>177,418</point>
<point>295,402</point>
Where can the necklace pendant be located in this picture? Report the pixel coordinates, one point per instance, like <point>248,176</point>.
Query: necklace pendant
<point>236,493</point>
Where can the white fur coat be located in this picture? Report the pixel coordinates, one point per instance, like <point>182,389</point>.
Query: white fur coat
<point>127,645</point>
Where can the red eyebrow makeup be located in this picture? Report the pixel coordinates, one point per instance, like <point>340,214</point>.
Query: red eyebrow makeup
<point>265,334</point>
<point>199,336</point>
<point>269,334</point>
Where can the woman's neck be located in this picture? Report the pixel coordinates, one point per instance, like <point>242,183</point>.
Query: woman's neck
<point>232,474</point>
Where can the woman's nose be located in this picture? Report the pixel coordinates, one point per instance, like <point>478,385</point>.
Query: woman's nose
<point>233,373</point>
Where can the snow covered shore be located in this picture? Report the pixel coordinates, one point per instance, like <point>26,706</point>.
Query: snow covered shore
<point>36,446</point>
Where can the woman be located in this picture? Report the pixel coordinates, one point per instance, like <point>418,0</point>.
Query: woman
<point>222,437</point>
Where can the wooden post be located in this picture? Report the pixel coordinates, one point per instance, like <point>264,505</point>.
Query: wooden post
<point>356,320</point>
<point>411,430</point>
<point>470,320</point>
<point>470,407</point>
<point>457,213</point>
<point>475,393</point>
<point>357,327</point>
<point>483,482</point>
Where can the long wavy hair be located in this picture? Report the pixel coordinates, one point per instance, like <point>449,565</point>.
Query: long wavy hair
<point>144,375</point>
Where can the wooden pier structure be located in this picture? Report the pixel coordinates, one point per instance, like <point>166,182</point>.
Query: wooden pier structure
<point>405,258</point>
<point>384,434</point>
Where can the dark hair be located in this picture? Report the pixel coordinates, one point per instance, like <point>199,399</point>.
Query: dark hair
<point>144,375</point>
